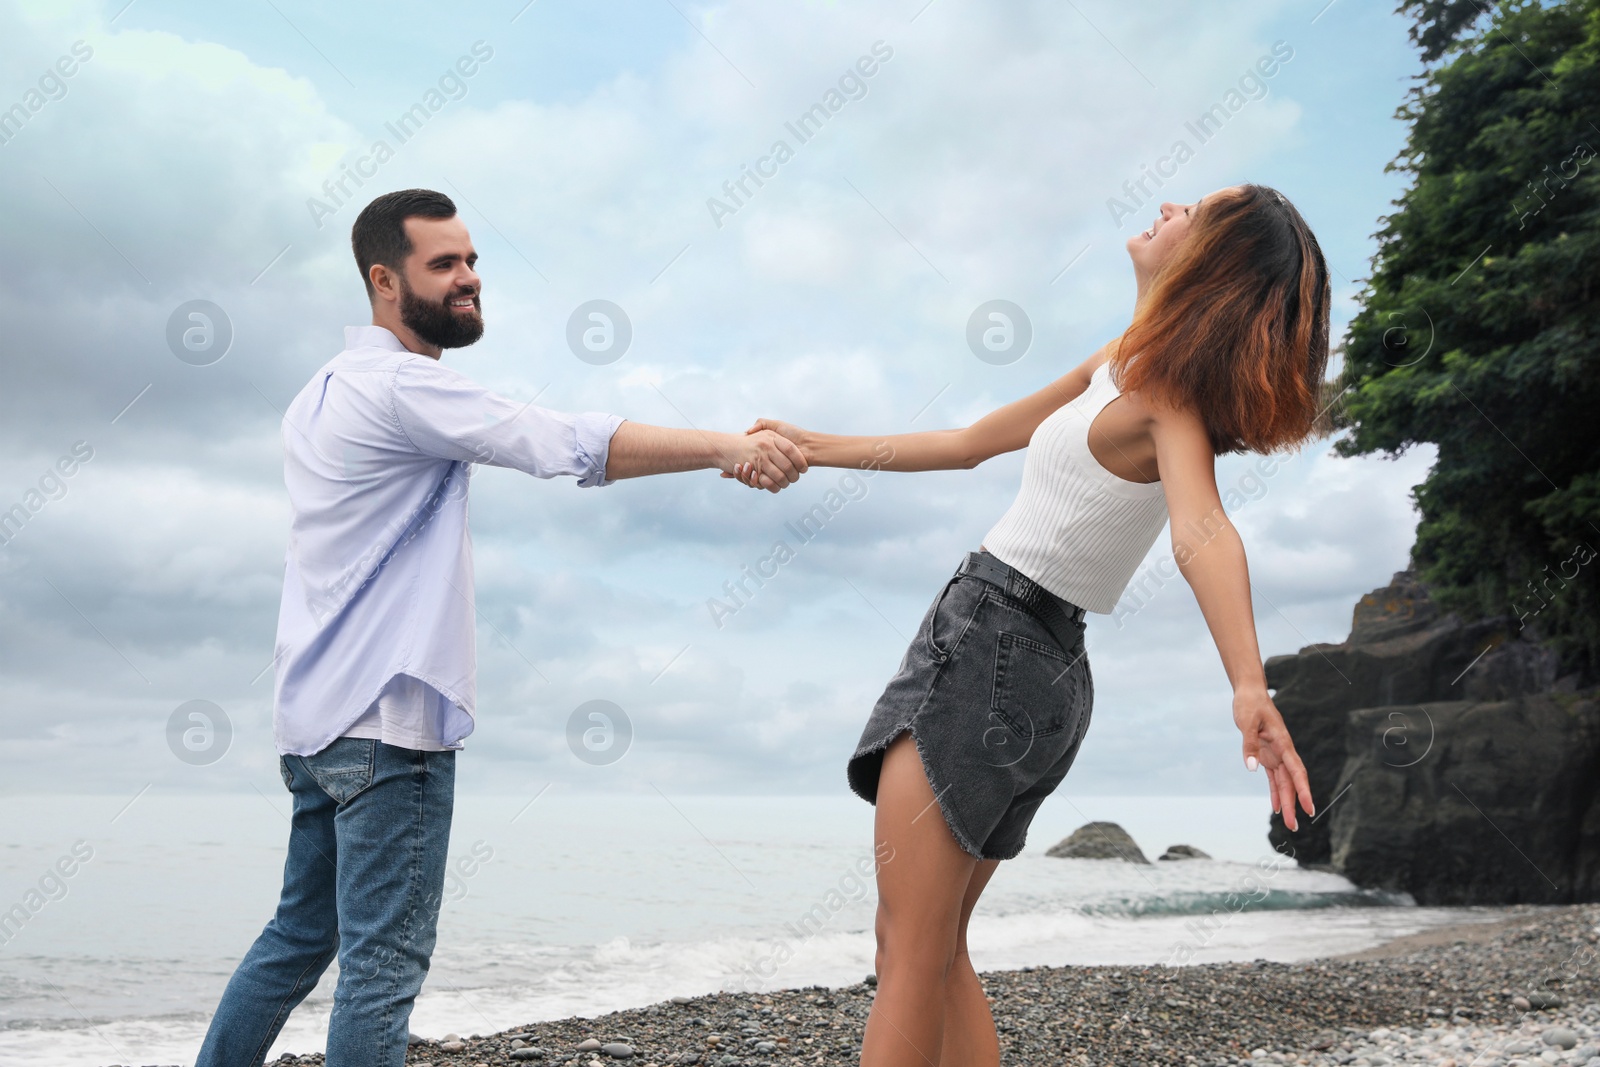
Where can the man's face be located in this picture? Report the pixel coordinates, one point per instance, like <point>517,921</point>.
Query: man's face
<point>439,289</point>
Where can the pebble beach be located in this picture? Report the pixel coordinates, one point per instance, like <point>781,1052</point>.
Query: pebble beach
<point>1519,991</point>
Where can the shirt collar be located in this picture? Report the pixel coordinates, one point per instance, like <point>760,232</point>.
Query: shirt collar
<point>372,337</point>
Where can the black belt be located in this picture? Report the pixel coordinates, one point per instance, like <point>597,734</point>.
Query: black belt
<point>1062,618</point>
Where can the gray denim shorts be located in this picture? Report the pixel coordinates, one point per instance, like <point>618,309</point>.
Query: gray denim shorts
<point>997,702</point>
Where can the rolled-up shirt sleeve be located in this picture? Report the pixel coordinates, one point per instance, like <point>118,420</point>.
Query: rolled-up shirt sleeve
<point>445,414</point>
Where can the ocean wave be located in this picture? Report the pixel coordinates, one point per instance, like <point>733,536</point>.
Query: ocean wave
<point>1207,902</point>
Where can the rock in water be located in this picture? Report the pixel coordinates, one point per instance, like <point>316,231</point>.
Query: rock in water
<point>1098,841</point>
<point>1183,852</point>
<point>1431,744</point>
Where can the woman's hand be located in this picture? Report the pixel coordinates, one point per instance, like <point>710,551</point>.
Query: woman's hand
<point>1267,744</point>
<point>794,435</point>
<point>763,459</point>
<point>783,429</point>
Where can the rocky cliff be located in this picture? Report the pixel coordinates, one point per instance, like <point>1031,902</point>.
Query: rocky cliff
<point>1446,758</point>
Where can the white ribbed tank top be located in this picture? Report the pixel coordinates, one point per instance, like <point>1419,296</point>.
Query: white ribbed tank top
<point>1075,528</point>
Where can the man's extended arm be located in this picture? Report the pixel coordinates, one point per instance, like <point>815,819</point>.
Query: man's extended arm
<point>638,449</point>
<point>443,413</point>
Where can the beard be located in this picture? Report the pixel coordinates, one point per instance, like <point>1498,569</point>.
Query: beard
<point>436,322</point>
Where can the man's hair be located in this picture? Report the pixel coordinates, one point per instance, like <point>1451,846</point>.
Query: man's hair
<point>379,235</point>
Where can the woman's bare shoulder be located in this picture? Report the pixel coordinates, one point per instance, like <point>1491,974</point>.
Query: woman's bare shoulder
<point>1177,422</point>
<point>1100,355</point>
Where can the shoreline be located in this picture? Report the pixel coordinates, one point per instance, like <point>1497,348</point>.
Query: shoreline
<point>1471,933</point>
<point>1443,984</point>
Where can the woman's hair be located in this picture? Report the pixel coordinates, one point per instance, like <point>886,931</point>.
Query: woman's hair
<point>1234,325</point>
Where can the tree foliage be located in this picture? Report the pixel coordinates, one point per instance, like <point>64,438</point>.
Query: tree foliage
<point>1440,23</point>
<point>1479,330</point>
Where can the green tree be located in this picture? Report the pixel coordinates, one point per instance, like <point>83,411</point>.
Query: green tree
<point>1479,330</point>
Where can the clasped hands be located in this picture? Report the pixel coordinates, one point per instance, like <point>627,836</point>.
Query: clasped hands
<point>768,456</point>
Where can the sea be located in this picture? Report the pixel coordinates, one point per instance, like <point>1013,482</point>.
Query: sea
<point>560,903</point>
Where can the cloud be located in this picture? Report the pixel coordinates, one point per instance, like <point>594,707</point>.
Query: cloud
<point>975,164</point>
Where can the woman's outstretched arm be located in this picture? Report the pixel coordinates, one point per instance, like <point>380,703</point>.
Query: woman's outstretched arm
<point>1005,429</point>
<point>1211,557</point>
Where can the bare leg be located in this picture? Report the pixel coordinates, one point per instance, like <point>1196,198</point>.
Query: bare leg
<point>923,880</point>
<point>969,1036</point>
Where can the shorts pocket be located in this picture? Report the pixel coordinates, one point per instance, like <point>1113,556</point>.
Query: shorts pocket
<point>951,615</point>
<point>1034,686</point>
<point>344,768</point>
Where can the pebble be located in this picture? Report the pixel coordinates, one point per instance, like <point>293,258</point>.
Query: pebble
<point>1515,1042</point>
<point>1561,1037</point>
<point>1525,995</point>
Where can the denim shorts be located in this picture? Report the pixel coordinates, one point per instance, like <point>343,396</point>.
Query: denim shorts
<point>997,700</point>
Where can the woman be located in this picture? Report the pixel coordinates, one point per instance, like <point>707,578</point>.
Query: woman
<point>1225,353</point>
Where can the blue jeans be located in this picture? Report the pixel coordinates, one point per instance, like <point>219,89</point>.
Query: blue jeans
<point>364,879</point>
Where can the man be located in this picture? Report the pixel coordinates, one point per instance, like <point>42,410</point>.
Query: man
<point>376,669</point>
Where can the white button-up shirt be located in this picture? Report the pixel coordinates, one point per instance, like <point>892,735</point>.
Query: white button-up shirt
<point>378,452</point>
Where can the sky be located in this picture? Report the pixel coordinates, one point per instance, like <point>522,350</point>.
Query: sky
<point>196,152</point>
